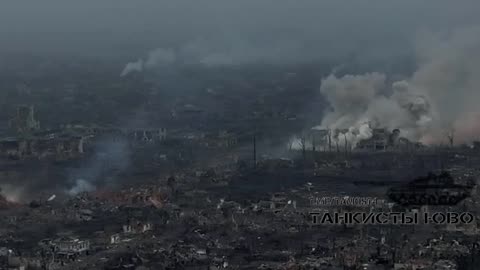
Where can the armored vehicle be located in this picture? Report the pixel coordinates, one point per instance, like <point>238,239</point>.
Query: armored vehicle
<point>434,189</point>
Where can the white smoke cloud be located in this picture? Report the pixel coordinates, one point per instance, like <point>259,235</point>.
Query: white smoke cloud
<point>12,193</point>
<point>80,186</point>
<point>450,76</point>
<point>441,96</point>
<point>133,67</point>
<point>297,143</point>
<point>217,53</point>
<point>160,56</point>
<point>350,97</point>
<point>363,102</point>
<point>155,58</point>
<point>110,158</point>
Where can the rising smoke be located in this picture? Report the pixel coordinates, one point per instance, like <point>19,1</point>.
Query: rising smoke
<point>218,53</point>
<point>441,97</point>
<point>12,192</point>
<point>110,158</point>
<point>133,67</point>
<point>80,186</point>
<point>363,102</point>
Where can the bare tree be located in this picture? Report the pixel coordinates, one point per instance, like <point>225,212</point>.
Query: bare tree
<point>314,146</point>
<point>330,140</point>
<point>303,143</point>
<point>290,145</point>
<point>450,134</point>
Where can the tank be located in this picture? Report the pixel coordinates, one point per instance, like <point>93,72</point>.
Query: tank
<point>434,189</point>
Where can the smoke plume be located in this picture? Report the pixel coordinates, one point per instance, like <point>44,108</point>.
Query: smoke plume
<point>81,185</point>
<point>363,102</point>
<point>110,157</point>
<point>133,67</point>
<point>11,192</point>
<point>224,52</point>
<point>440,97</point>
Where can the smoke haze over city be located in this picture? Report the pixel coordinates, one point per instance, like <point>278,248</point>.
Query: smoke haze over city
<point>210,134</point>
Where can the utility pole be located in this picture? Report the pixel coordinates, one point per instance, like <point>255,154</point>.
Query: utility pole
<point>329,140</point>
<point>304,146</point>
<point>254,150</point>
<point>313,144</point>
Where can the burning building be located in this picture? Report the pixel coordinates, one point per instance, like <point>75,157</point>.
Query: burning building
<point>378,141</point>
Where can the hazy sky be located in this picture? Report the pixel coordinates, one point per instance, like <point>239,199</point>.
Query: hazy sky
<point>99,27</point>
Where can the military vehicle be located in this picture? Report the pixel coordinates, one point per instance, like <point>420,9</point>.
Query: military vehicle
<point>434,189</point>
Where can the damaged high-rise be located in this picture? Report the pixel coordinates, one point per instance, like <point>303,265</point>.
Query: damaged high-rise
<point>24,121</point>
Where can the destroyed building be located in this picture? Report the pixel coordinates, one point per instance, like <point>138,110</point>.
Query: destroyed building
<point>133,135</point>
<point>40,147</point>
<point>135,226</point>
<point>28,141</point>
<point>222,139</point>
<point>68,141</point>
<point>24,121</point>
<point>70,246</point>
<point>147,135</point>
<point>380,140</point>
